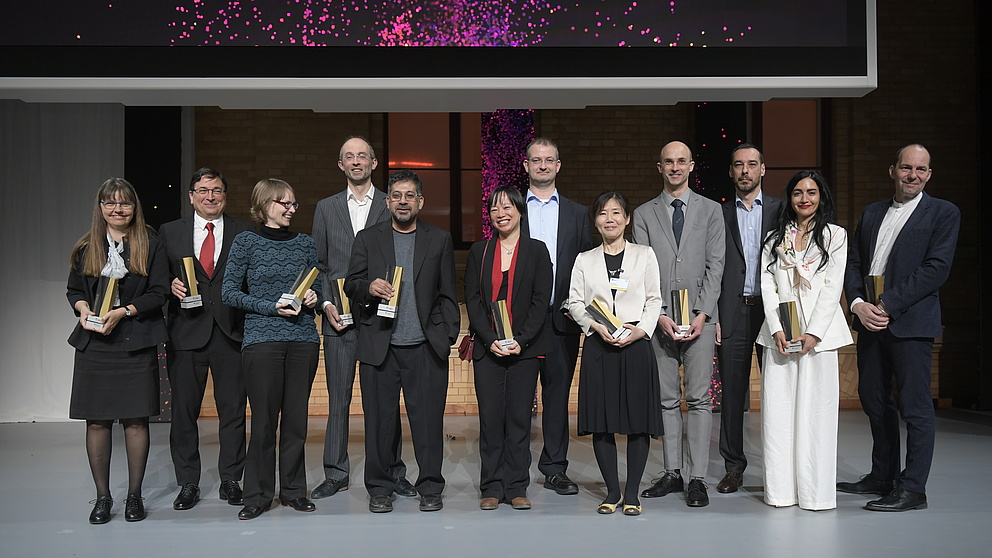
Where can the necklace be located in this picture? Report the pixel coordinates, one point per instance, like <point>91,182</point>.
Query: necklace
<point>509,251</point>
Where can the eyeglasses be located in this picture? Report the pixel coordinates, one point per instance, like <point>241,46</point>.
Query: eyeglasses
<point>399,196</point>
<point>125,205</point>
<point>287,204</point>
<point>214,191</point>
<point>537,161</point>
<point>351,157</point>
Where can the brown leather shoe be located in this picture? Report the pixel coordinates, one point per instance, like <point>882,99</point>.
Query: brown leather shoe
<point>520,503</point>
<point>730,483</point>
<point>489,503</point>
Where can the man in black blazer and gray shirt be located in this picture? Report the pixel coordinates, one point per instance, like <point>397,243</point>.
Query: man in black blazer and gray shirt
<point>205,337</point>
<point>749,216</point>
<point>563,226</point>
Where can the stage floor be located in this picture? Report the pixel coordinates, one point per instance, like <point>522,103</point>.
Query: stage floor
<point>46,487</point>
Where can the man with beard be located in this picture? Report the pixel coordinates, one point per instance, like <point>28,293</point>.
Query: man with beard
<point>748,217</point>
<point>409,351</point>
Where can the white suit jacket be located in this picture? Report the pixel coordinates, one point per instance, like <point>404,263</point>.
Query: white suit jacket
<point>817,292</point>
<point>641,302</point>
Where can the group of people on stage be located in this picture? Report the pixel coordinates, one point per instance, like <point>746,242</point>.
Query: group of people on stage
<point>673,282</point>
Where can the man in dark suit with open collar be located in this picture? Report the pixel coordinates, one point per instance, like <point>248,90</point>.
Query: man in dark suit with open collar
<point>409,351</point>
<point>909,240</point>
<point>336,222</point>
<point>563,226</point>
<point>749,215</point>
<point>207,337</point>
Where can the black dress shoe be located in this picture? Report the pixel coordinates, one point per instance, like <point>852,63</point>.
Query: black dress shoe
<point>431,502</point>
<point>329,488</point>
<point>867,485</point>
<point>101,510</point>
<point>695,494</point>
<point>730,483</point>
<point>189,494</point>
<point>560,483</point>
<point>381,504</point>
<point>301,504</point>
<point>230,491</point>
<point>899,500</point>
<point>668,483</point>
<point>134,508</point>
<point>404,488</point>
<point>250,512</point>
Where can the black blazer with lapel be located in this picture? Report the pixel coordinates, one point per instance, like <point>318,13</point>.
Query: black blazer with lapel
<point>530,298</point>
<point>734,268</point>
<point>919,263</point>
<point>434,283</point>
<point>190,329</point>
<point>145,293</point>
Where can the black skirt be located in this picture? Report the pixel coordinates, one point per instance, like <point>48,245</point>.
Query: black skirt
<point>619,390</point>
<point>110,383</point>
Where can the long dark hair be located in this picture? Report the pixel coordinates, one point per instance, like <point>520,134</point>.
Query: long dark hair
<point>91,262</point>
<point>824,215</point>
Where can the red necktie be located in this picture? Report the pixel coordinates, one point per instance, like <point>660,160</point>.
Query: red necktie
<point>207,251</point>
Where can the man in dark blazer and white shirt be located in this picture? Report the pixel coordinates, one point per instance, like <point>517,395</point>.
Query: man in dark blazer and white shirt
<point>563,226</point>
<point>202,338</point>
<point>748,216</point>
<point>335,223</point>
<point>409,351</point>
<point>908,239</point>
<point>693,262</point>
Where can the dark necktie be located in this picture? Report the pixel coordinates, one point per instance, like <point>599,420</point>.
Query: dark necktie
<point>678,220</point>
<point>207,251</point>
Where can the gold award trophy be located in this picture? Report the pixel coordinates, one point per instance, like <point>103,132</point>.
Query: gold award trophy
<point>341,301</point>
<point>601,313</point>
<point>303,282</point>
<point>193,298</point>
<point>395,277</point>
<point>874,287</point>
<point>104,303</point>
<point>680,310</point>
<point>788,313</point>
<point>501,318</point>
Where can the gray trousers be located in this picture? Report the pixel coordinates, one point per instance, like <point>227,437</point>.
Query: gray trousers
<point>696,359</point>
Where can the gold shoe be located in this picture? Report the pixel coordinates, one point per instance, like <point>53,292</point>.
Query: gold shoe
<point>632,510</point>
<point>607,508</point>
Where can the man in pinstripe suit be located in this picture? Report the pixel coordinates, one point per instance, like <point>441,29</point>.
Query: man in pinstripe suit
<point>336,222</point>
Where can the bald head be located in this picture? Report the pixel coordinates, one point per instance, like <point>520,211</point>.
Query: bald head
<point>675,165</point>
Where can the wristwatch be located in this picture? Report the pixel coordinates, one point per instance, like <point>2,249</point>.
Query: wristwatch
<point>127,312</point>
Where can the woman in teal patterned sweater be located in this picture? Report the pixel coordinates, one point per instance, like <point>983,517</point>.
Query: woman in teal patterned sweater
<point>279,353</point>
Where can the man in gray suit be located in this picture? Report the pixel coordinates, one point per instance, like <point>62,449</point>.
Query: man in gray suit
<point>748,216</point>
<point>686,231</point>
<point>336,222</point>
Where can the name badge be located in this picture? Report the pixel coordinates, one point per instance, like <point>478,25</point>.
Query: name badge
<point>619,284</point>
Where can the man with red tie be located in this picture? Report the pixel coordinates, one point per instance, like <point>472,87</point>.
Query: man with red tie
<point>202,338</point>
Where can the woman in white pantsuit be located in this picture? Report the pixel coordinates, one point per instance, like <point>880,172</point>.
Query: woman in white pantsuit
<point>802,260</point>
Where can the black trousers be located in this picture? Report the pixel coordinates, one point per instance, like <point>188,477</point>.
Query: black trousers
<point>188,376</point>
<point>734,354</point>
<point>557,372</point>
<point>505,387</point>
<point>423,377</point>
<point>883,357</point>
<point>278,377</point>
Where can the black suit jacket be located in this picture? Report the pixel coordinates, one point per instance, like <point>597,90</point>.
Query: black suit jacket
<point>190,329</point>
<point>574,237</point>
<point>529,301</point>
<point>734,268</point>
<point>918,265</point>
<point>434,283</point>
<point>145,293</point>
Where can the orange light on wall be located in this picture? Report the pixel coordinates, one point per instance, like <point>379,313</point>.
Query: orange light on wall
<point>408,164</point>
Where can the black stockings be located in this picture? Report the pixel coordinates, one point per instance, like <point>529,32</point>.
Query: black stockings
<point>98,446</point>
<point>604,445</point>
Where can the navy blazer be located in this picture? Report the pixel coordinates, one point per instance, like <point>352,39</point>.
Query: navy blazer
<point>529,301</point>
<point>918,265</point>
<point>145,293</point>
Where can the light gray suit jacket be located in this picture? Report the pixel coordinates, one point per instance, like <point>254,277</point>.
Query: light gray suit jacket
<point>334,237</point>
<point>696,263</point>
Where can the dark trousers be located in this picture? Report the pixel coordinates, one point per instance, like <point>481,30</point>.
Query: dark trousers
<point>505,390</point>
<point>188,376</point>
<point>882,357</point>
<point>423,377</point>
<point>557,371</point>
<point>734,354</point>
<point>278,376</point>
